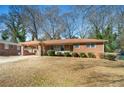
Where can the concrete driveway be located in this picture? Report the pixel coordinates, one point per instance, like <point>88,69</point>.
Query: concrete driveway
<point>9,59</point>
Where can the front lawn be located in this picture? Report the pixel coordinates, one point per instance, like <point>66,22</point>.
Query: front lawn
<point>62,71</point>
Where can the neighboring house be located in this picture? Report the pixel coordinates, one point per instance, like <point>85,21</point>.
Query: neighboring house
<point>9,48</point>
<point>75,45</point>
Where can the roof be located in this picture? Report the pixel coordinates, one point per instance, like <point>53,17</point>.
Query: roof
<point>7,42</point>
<point>30,43</point>
<point>62,41</point>
<point>73,41</point>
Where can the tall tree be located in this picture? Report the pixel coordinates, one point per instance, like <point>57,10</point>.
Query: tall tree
<point>81,12</point>
<point>4,35</point>
<point>33,20</point>
<point>52,24</point>
<point>120,26</point>
<point>101,20</point>
<point>14,25</point>
<point>70,26</point>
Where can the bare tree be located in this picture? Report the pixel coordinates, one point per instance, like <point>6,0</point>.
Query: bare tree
<point>99,18</point>
<point>102,22</point>
<point>52,24</point>
<point>33,21</point>
<point>120,26</point>
<point>81,12</point>
<point>70,27</point>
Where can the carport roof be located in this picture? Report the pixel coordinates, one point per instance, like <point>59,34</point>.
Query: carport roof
<point>30,43</point>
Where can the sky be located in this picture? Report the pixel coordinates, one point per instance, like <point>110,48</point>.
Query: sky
<point>5,8</point>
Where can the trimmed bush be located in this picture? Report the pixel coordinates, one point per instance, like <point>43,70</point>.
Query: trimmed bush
<point>67,54</point>
<point>83,55</point>
<point>74,54</point>
<point>91,55</point>
<point>110,57</point>
<point>59,54</point>
<point>51,53</point>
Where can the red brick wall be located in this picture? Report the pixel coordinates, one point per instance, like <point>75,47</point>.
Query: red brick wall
<point>97,50</point>
<point>83,48</point>
<point>8,52</point>
<point>68,47</point>
<point>1,46</point>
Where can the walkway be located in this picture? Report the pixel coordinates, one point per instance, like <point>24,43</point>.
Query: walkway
<point>13,58</point>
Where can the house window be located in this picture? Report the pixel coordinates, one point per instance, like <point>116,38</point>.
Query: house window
<point>6,46</point>
<point>91,45</point>
<point>76,46</point>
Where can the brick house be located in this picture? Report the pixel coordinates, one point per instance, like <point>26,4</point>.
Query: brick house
<point>75,45</point>
<point>9,48</point>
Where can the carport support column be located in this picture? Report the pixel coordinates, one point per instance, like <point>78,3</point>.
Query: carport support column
<point>43,49</point>
<point>22,50</point>
<point>39,50</point>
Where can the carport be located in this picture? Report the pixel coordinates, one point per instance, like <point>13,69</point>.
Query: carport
<point>31,48</point>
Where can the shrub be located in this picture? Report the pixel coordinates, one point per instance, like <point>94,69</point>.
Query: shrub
<point>121,58</point>
<point>74,54</point>
<point>110,57</point>
<point>67,54</point>
<point>59,54</point>
<point>83,55</point>
<point>102,55</point>
<point>51,53</point>
<point>122,52</point>
<point>91,55</point>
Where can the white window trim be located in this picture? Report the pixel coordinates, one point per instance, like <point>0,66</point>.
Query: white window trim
<point>76,45</point>
<point>90,45</point>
